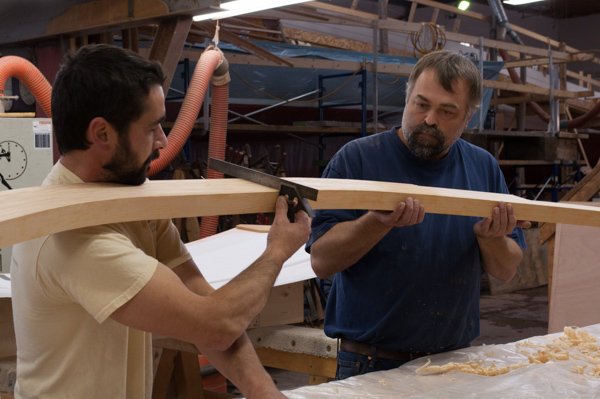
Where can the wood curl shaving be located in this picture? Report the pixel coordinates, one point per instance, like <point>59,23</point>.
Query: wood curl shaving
<point>471,367</point>
<point>574,343</point>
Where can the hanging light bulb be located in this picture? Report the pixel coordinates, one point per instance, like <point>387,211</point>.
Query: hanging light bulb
<point>519,2</point>
<point>239,7</point>
<point>463,5</point>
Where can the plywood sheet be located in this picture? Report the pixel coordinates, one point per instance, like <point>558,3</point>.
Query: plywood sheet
<point>576,273</point>
<point>533,270</point>
<point>34,212</point>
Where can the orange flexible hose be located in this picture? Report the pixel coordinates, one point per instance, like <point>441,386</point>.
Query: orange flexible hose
<point>216,147</point>
<point>189,110</point>
<point>32,78</point>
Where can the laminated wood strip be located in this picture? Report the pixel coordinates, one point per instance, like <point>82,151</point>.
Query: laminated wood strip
<point>34,212</point>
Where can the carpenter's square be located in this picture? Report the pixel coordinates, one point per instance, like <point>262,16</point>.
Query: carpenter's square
<point>292,190</point>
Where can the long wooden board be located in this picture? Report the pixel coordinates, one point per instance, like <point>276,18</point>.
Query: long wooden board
<point>28,213</point>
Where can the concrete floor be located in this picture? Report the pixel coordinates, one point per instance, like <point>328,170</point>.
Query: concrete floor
<point>504,318</point>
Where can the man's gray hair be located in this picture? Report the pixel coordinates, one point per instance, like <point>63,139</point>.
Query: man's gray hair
<point>449,67</point>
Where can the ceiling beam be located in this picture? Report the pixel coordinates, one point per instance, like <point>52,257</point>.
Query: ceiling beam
<point>22,24</point>
<point>168,45</point>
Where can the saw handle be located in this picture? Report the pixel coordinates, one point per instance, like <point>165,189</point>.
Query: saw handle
<point>301,205</point>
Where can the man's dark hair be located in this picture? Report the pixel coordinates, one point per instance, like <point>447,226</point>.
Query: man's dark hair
<point>100,80</point>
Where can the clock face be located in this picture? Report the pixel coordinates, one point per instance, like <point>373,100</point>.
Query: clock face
<point>8,92</point>
<point>13,159</point>
<point>25,94</point>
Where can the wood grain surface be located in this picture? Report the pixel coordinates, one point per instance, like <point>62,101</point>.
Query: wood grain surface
<point>28,213</point>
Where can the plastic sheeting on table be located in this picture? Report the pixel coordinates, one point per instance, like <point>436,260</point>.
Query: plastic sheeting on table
<point>225,255</point>
<point>550,380</point>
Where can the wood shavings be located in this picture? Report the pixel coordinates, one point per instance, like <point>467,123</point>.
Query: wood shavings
<point>574,343</point>
<point>578,369</point>
<point>480,369</point>
<point>382,382</point>
<point>518,366</point>
<point>435,369</point>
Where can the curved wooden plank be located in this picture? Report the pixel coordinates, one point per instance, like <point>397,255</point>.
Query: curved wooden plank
<point>34,212</point>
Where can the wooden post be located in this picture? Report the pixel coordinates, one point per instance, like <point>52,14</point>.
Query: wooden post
<point>134,43</point>
<point>126,36</point>
<point>434,16</point>
<point>168,45</point>
<point>383,34</point>
<point>72,45</point>
<point>110,37</point>
<point>562,78</point>
<point>411,14</point>
<point>456,25</point>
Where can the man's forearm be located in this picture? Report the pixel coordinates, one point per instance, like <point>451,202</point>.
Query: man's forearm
<point>241,365</point>
<point>249,290</point>
<point>215,319</point>
<point>500,256</point>
<point>345,244</point>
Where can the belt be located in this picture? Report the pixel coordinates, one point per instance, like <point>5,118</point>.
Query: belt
<point>366,349</point>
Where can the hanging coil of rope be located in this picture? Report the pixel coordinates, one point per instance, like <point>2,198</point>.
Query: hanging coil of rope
<point>429,39</point>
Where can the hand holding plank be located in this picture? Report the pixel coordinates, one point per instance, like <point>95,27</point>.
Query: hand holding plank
<point>285,237</point>
<point>406,214</point>
<point>501,223</point>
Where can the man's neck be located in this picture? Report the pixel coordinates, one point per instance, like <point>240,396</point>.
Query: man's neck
<point>80,163</point>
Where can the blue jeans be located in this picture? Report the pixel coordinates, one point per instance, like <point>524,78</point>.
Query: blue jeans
<point>350,364</point>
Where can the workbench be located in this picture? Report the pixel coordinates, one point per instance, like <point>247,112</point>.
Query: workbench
<point>554,379</point>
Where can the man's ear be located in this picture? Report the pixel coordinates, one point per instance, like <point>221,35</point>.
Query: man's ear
<point>467,120</point>
<point>101,134</point>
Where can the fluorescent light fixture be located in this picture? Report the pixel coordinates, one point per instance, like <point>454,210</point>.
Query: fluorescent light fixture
<point>239,7</point>
<point>519,2</point>
<point>463,5</point>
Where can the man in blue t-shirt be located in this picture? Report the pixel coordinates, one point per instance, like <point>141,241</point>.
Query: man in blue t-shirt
<point>405,283</point>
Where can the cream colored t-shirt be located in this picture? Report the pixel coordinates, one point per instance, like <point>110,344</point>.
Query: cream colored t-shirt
<point>65,286</point>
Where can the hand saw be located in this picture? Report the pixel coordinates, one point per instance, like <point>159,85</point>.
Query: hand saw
<point>293,190</point>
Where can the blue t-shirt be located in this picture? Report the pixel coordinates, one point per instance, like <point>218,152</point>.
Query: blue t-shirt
<point>418,289</point>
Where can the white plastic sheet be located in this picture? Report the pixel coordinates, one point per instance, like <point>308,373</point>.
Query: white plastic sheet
<point>554,379</point>
<point>223,256</point>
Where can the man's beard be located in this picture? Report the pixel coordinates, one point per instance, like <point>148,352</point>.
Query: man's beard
<point>123,170</point>
<point>425,148</point>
